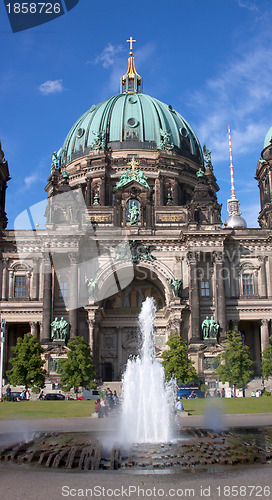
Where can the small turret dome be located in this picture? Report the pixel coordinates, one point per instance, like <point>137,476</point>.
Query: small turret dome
<point>235,222</point>
<point>268,138</point>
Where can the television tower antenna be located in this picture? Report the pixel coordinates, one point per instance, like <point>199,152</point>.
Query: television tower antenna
<point>234,220</point>
<point>231,168</point>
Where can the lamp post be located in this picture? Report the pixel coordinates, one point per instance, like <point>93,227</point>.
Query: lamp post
<point>3,322</point>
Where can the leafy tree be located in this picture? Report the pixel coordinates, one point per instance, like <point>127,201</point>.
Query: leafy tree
<point>176,362</point>
<point>77,369</point>
<point>27,363</point>
<point>234,363</point>
<point>267,361</point>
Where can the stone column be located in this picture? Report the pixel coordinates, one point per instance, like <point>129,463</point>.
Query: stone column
<point>88,193</point>
<point>91,323</point>
<point>220,305</point>
<point>40,328</point>
<point>175,193</point>
<point>97,351</point>
<point>28,283</point>
<point>264,333</point>
<point>5,280</point>
<point>73,295</point>
<point>148,213</point>
<point>161,191</point>
<point>157,191</point>
<point>102,191</point>
<point>233,279</point>
<point>11,284</point>
<point>269,276</point>
<point>262,289</point>
<point>34,285</point>
<point>194,334</point>
<point>119,351</point>
<point>6,347</point>
<point>123,216</point>
<point>47,300</point>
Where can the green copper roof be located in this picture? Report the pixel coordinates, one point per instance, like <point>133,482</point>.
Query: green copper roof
<point>131,121</point>
<point>268,138</point>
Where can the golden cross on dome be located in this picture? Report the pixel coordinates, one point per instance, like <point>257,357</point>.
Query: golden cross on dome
<point>131,41</point>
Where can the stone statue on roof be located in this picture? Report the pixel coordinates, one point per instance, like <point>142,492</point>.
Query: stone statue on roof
<point>207,157</point>
<point>165,142</point>
<point>142,179</point>
<point>99,140</point>
<point>124,179</point>
<point>55,161</point>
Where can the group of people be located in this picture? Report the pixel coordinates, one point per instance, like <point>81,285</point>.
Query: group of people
<point>106,404</point>
<point>24,395</point>
<point>216,393</point>
<point>258,393</point>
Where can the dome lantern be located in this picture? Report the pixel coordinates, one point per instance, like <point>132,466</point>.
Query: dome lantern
<point>131,82</point>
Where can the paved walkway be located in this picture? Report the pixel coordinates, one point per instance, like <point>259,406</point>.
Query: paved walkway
<point>212,420</point>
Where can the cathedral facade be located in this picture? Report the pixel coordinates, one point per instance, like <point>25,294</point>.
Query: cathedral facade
<point>132,212</point>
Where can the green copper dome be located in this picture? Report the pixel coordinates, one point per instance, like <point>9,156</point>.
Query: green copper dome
<point>131,121</point>
<point>268,138</point>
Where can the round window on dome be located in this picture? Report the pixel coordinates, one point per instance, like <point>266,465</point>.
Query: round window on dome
<point>80,132</point>
<point>132,100</point>
<point>183,131</point>
<point>132,122</point>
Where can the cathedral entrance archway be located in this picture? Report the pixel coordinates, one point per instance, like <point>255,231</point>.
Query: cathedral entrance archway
<point>119,336</point>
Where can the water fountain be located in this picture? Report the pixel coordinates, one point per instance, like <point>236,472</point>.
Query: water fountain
<point>147,401</point>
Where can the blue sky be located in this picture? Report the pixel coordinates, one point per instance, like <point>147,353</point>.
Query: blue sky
<point>211,60</point>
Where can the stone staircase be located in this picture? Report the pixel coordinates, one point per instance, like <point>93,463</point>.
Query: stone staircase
<point>114,386</point>
<point>256,384</point>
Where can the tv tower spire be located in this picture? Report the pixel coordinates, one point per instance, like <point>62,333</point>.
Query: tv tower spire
<point>234,220</point>
<point>231,168</point>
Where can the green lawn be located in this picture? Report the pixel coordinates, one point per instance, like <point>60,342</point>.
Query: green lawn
<point>229,405</point>
<point>39,409</point>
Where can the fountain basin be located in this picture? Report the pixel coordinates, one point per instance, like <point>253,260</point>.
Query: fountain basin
<point>193,449</point>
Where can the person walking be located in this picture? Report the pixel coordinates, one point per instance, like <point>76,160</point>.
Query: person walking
<point>8,393</point>
<point>115,398</point>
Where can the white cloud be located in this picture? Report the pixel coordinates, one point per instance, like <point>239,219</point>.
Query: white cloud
<point>109,55</point>
<point>239,95</point>
<point>37,174</point>
<point>51,87</point>
<point>247,4</point>
<point>31,179</point>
